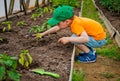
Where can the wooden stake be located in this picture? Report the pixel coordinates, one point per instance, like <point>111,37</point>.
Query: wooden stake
<point>11,6</point>
<point>5,3</point>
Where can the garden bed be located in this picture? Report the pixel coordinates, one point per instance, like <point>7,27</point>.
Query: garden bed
<point>47,53</point>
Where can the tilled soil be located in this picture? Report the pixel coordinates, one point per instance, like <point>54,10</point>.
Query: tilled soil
<point>47,53</point>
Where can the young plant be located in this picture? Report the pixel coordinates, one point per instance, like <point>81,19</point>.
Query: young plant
<point>7,26</point>
<point>38,13</point>
<point>8,67</point>
<point>36,29</point>
<point>46,25</point>
<point>1,39</point>
<point>35,16</point>
<point>38,36</point>
<point>25,58</point>
<point>21,23</point>
<point>46,10</point>
<point>39,10</point>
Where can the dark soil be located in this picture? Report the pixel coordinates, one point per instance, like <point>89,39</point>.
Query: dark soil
<point>113,17</point>
<point>47,53</point>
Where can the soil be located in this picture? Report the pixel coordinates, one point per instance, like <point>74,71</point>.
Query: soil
<point>96,71</point>
<point>47,53</point>
<point>104,69</point>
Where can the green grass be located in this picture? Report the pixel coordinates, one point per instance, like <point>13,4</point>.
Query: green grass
<point>118,79</point>
<point>78,75</point>
<point>108,75</point>
<point>111,49</point>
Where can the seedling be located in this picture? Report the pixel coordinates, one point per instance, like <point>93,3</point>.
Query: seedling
<point>7,26</point>
<point>36,15</point>
<point>46,10</point>
<point>21,23</point>
<point>39,10</point>
<point>46,25</point>
<point>38,36</point>
<point>1,39</point>
<point>8,67</point>
<point>25,58</point>
<point>36,29</point>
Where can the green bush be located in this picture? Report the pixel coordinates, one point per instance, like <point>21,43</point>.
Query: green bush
<point>8,67</point>
<point>112,5</point>
<point>74,3</point>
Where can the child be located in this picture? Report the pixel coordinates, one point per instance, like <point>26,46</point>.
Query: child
<point>87,33</point>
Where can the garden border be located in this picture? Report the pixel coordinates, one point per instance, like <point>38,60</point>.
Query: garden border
<point>74,49</point>
<point>72,63</point>
<point>113,32</point>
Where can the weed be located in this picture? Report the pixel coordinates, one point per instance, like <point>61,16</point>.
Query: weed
<point>78,75</point>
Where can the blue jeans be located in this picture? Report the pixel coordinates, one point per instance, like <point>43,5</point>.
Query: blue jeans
<point>92,42</point>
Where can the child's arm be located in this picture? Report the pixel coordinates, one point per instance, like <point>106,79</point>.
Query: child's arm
<point>51,30</point>
<point>81,39</point>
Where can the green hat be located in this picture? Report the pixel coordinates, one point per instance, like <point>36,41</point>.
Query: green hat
<point>61,13</point>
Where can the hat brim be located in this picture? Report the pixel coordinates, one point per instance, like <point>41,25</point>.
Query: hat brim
<point>53,22</point>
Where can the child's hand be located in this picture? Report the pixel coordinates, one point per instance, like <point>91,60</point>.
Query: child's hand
<point>64,40</point>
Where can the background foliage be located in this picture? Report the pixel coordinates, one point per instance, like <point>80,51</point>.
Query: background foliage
<point>112,5</point>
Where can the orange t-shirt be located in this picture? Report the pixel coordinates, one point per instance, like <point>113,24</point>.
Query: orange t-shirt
<point>93,28</point>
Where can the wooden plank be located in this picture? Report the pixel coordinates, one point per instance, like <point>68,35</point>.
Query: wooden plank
<point>117,38</point>
<point>37,3</point>
<point>24,6</point>
<point>11,7</point>
<point>72,63</point>
<point>27,4</point>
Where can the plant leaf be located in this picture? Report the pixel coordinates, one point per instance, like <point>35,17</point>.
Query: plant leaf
<point>26,64</point>
<point>21,60</point>
<point>14,75</point>
<point>2,72</point>
<point>30,58</point>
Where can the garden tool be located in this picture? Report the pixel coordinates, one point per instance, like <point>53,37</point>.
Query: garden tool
<point>43,72</point>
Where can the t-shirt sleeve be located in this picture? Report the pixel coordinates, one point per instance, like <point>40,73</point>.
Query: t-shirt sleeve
<point>77,29</point>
